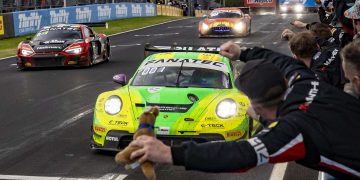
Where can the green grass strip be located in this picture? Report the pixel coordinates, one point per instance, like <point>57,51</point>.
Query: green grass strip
<point>8,46</point>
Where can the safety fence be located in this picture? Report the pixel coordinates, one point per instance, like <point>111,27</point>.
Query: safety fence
<point>27,22</point>
<point>169,10</point>
<point>202,13</point>
<point>23,5</point>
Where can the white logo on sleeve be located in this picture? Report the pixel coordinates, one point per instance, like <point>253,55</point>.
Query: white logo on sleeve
<point>260,150</point>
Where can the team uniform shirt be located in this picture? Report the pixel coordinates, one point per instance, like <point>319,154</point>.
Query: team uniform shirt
<point>317,126</point>
<point>327,63</point>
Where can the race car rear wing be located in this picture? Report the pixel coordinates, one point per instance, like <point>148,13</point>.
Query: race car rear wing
<point>97,24</point>
<point>150,49</point>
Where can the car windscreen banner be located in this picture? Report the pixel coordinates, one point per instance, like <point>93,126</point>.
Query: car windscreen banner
<point>260,3</point>
<point>27,22</point>
<point>153,65</point>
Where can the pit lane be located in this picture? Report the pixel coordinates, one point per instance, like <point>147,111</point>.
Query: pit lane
<point>46,114</point>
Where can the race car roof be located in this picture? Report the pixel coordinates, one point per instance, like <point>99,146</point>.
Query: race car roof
<point>223,9</point>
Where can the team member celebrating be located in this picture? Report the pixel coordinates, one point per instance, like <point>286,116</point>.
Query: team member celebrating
<point>317,124</point>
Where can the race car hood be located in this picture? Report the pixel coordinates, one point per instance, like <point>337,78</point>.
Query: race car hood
<point>225,21</point>
<point>174,102</point>
<point>52,45</point>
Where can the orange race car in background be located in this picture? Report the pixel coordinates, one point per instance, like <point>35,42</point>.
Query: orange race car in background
<point>223,22</point>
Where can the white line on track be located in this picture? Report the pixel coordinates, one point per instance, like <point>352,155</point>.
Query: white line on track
<point>278,171</point>
<point>172,27</point>
<point>68,121</point>
<point>21,177</point>
<point>125,45</point>
<point>7,57</point>
<point>148,35</point>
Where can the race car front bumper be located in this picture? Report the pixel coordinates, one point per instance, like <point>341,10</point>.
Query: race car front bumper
<point>117,140</point>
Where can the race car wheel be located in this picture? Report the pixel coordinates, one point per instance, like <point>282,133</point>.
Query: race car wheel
<point>107,51</point>
<point>90,57</point>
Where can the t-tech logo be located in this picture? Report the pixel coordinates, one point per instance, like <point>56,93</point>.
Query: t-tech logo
<point>104,12</point>
<point>121,11</point>
<point>29,23</point>
<point>83,14</point>
<point>61,17</point>
<point>136,10</point>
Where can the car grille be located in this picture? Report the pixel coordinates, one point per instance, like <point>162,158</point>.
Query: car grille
<point>48,61</point>
<point>221,29</point>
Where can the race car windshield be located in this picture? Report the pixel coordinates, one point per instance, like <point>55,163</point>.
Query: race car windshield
<point>63,34</point>
<point>225,14</point>
<point>187,77</point>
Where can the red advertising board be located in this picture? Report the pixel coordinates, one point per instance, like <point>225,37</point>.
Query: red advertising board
<point>260,3</point>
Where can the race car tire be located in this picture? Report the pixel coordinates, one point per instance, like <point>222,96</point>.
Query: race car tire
<point>90,57</point>
<point>107,51</point>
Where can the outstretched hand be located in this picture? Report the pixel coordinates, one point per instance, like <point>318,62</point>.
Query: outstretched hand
<point>230,50</point>
<point>298,24</point>
<point>287,34</point>
<point>151,149</point>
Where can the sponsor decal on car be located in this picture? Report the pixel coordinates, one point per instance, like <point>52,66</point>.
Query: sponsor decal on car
<point>163,131</point>
<point>215,65</point>
<point>48,47</point>
<point>233,134</point>
<point>118,123</point>
<point>111,138</point>
<point>100,129</point>
<point>154,89</point>
<point>220,126</point>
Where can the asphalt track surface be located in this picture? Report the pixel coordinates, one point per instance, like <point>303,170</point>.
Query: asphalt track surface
<point>46,113</point>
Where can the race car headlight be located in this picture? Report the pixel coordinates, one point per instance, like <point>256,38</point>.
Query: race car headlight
<point>239,27</point>
<point>113,105</point>
<point>226,108</point>
<point>204,27</point>
<point>298,8</point>
<point>74,50</point>
<point>27,52</point>
<point>283,8</point>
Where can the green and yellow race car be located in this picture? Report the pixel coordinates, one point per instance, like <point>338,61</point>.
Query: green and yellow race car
<point>194,91</point>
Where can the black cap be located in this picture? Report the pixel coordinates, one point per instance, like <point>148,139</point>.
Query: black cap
<point>261,81</point>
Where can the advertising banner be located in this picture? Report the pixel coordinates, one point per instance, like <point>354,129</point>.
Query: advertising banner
<point>26,22</point>
<point>1,25</point>
<point>259,3</point>
<point>307,3</point>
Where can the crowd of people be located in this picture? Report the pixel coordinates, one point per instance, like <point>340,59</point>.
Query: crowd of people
<point>309,102</point>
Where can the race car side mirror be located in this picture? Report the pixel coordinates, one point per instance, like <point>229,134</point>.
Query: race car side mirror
<point>120,78</point>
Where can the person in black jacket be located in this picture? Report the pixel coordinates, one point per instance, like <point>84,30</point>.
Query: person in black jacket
<point>314,123</point>
<point>350,55</point>
<point>325,63</point>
